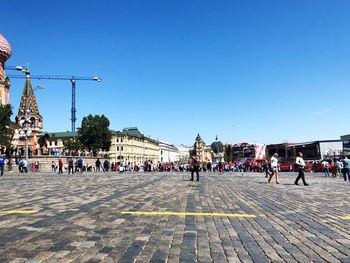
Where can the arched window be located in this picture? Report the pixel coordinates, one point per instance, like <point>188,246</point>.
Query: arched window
<point>23,123</point>
<point>32,122</point>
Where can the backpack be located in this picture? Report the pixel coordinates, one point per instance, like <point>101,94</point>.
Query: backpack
<point>195,162</point>
<point>2,161</point>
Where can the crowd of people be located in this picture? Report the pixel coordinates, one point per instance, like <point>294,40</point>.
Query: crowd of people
<point>337,168</point>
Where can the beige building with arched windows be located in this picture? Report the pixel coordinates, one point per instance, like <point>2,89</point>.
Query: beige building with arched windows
<point>131,146</point>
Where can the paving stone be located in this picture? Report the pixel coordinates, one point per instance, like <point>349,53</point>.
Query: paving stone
<point>79,218</point>
<point>19,260</point>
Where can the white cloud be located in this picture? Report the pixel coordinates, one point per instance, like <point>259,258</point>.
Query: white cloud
<point>322,111</point>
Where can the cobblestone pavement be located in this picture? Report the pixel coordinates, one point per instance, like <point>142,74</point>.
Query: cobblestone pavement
<point>79,218</point>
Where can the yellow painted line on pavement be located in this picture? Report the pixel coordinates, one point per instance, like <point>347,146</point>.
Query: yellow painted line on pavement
<point>18,211</point>
<point>345,217</point>
<point>186,214</point>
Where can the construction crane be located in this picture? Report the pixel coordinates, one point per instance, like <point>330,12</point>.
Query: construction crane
<point>72,79</point>
<point>20,68</point>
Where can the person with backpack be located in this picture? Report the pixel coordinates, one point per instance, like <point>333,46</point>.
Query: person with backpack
<point>2,164</point>
<point>195,166</point>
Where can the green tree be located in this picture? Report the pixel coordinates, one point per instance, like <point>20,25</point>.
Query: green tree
<point>228,153</point>
<point>5,122</point>
<point>94,133</point>
<point>42,141</point>
<point>74,145</point>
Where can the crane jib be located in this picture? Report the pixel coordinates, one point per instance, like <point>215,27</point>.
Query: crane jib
<point>54,77</point>
<point>72,79</point>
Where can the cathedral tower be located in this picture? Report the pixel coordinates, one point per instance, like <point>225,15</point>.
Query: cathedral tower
<point>34,123</point>
<point>28,100</point>
<point>5,54</point>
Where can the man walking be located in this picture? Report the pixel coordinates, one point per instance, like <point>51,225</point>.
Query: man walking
<point>194,166</point>
<point>266,168</point>
<point>98,165</point>
<point>339,168</point>
<point>346,168</point>
<point>80,165</point>
<point>274,167</point>
<point>300,165</point>
<point>326,168</point>
<point>60,166</point>
<point>25,166</point>
<point>70,166</point>
<point>2,164</point>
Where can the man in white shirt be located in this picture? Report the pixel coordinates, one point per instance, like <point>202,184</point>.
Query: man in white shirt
<point>274,167</point>
<point>300,165</point>
<point>346,168</point>
<point>25,166</point>
<point>326,168</point>
<point>339,165</point>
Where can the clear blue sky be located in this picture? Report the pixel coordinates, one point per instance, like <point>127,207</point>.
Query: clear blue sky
<point>261,71</point>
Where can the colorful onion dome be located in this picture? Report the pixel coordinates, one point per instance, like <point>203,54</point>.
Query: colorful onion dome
<point>5,49</point>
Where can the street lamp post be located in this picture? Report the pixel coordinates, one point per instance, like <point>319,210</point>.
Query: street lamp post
<point>120,151</point>
<point>27,72</point>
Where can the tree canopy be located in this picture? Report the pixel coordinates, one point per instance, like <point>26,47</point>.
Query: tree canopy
<point>228,153</point>
<point>43,140</point>
<point>94,133</point>
<point>74,145</point>
<point>5,123</point>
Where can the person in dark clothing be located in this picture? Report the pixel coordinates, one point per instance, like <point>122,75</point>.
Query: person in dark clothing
<point>145,166</point>
<point>60,166</point>
<point>70,166</point>
<point>106,165</point>
<point>300,164</point>
<point>220,166</point>
<point>195,166</point>
<point>150,165</point>
<point>76,165</point>
<point>346,168</point>
<point>98,165</point>
<point>9,165</point>
<point>2,164</point>
<point>209,166</point>
<point>266,168</point>
<point>80,165</point>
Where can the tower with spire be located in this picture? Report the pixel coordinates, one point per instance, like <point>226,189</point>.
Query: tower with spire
<point>5,54</point>
<point>202,151</point>
<point>28,101</point>
<point>34,122</point>
<point>218,150</point>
